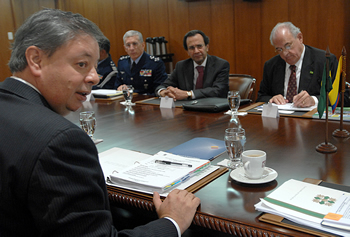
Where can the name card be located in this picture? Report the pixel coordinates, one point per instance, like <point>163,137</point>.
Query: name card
<point>270,111</point>
<point>166,102</point>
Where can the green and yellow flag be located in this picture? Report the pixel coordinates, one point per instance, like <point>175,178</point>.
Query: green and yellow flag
<point>322,103</point>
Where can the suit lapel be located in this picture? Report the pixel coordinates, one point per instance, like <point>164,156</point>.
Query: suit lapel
<point>209,69</point>
<point>306,69</point>
<point>189,74</point>
<point>280,75</point>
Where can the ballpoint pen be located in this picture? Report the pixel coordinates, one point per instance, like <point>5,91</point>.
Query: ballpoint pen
<point>165,162</point>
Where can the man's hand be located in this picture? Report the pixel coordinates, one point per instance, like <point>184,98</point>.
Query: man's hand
<point>174,93</point>
<point>303,99</point>
<point>122,87</point>
<point>278,99</point>
<point>179,205</point>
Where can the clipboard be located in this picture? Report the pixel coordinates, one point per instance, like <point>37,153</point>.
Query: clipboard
<point>280,221</point>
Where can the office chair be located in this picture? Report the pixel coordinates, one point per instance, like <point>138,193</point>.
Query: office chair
<point>242,83</point>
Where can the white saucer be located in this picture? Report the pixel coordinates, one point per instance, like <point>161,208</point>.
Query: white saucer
<point>239,175</point>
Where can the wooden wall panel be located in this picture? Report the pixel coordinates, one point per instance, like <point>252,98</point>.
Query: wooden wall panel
<point>106,16</point>
<point>247,30</point>
<point>222,39</point>
<point>178,26</point>
<point>139,17</point>
<point>122,18</point>
<point>6,25</point>
<point>158,18</point>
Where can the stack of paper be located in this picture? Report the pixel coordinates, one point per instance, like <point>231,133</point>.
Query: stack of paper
<point>304,203</point>
<point>146,173</point>
<point>106,93</point>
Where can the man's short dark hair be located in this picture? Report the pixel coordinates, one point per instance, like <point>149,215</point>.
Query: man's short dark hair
<point>193,33</point>
<point>105,44</point>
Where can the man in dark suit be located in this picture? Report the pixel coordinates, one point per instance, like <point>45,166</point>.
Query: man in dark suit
<point>51,182</point>
<point>277,85</point>
<point>201,75</point>
<point>143,71</point>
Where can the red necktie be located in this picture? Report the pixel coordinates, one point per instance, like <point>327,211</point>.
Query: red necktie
<point>199,83</point>
<point>292,84</point>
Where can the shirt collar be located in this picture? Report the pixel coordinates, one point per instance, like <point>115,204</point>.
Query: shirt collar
<point>137,60</point>
<point>300,61</point>
<point>204,63</point>
<point>25,82</point>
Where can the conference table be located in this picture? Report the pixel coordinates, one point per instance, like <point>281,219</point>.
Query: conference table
<point>227,206</point>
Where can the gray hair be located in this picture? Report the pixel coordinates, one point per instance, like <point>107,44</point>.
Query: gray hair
<point>49,29</point>
<point>289,25</point>
<point>132,33</point>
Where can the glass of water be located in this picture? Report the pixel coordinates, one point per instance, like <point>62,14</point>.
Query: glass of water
<point>234,141</point>
<point>128,92</point>
<point>234,99</point>
<point>88,122</point>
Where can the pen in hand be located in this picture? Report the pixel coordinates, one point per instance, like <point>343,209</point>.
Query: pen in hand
<point>165,162</point>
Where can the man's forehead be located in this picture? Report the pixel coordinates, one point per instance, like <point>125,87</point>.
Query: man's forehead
<point>132,38</point>
<point>195,39</point>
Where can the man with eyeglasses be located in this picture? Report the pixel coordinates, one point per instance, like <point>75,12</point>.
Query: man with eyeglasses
<point>295,74</point>
<point>200,76</point>
<point>143,71</point>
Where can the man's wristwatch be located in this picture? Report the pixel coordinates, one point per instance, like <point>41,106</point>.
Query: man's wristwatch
<point>189,95</point>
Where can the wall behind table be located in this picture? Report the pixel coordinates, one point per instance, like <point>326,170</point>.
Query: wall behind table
<point>238,30</point>
<point>12,15</point>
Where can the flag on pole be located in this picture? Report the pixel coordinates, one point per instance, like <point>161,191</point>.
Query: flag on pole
<point>322,103</point>
<point>334,93</point>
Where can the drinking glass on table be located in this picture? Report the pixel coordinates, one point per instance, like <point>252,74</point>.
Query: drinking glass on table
<point>234,142</point>
<point>88,122</point>
<point>234,99</point>
<point>128,93</point>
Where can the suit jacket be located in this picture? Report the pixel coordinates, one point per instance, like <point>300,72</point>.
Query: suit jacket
<point>51,182</point>
<point>310,75</point>
<point>147,75</point>
<point>215,80</point>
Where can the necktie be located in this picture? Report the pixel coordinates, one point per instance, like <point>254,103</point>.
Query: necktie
<point>133,66</point>
<point>292,84</point>
<point>199,83</point>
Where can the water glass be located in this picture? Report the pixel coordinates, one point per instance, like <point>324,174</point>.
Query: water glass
<point>234,141</point>
<point>128,92</point>
<point>234,100</point>
<point>88,122</point>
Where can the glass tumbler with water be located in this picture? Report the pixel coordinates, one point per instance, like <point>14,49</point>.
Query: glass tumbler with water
<point>234,141</point>
<point>88,122</point>
<point>128,94</point>
<point>234,100</point>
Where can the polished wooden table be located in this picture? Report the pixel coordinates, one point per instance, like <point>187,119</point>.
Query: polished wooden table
<point>226,205</point>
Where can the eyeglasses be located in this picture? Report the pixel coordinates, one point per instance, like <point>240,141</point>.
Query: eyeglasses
<point>193,47</point>
<point>135,44</point>
<point>287,46</point>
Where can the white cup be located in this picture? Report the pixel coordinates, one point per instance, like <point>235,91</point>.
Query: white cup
<point>254,163</point>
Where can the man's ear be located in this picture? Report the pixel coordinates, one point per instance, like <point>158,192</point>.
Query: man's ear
<point>34,58</point>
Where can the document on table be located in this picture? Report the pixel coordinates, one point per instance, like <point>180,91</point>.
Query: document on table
<point>302,203</point>
<point>339,215</point>
<point>160,173</point>
<point>290,106</point>
<point>118,161</point>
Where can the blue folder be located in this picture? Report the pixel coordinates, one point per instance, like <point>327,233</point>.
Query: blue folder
<point>200,147</point>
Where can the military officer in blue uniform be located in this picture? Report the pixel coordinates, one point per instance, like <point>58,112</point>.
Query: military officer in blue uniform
<point>139,69</point>
<point>106,69</point>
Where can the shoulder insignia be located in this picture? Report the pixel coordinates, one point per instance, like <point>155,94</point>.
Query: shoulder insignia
<point>156,59</point>
<point>124,57</point>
